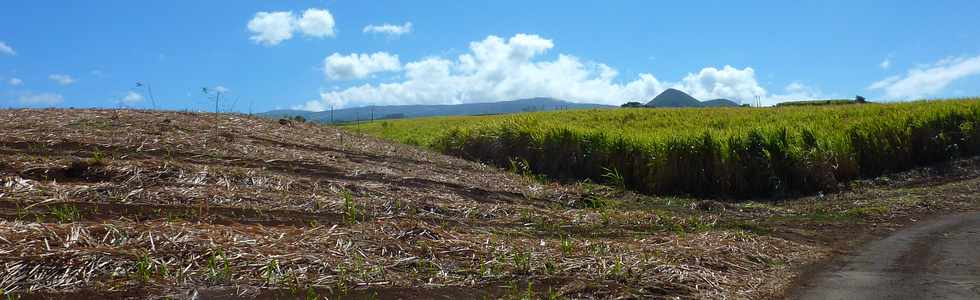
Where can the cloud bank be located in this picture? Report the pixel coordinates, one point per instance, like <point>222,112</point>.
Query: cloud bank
<point>928,80</point>
<point>496,69</point>
<point>359,66</point>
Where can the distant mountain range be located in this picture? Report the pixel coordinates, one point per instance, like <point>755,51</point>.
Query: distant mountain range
<point>676,98</point>
<point>414,111</point>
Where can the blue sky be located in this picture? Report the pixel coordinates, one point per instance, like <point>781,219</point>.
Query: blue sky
<point>318,54</point>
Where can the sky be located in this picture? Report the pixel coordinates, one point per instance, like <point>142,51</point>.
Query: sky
<point>317,55</point>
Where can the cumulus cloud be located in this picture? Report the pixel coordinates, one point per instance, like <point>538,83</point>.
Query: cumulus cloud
<point>271,28</point>
<point>131,98</point>
<point>496,69</point>
<point>42,99</point>
<point>389,29</point>
<point>5,49</point>
<point>62,79</point>
<point>928,80</point>
<point>358,66</point>
<point>727,82</point>
<point>316,23</point>
<point>885,64</point>
<point>15,81</point>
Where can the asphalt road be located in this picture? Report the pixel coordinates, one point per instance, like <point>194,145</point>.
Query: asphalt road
<point>937,259</point>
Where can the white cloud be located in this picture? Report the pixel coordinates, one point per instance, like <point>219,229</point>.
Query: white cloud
<point>727,82</point>
<point>221,89</point>
<point>14,81</point>
<point>390,30</point>
<point>358,66</point>
<point>927,80</point>
<point>41,99</point>
<point>271,28</point>
<point>62,79</point>
<point>131,98</point>
<point>885,64</point>
<point>504,69</point>
<point>316,23</point>
<point>5,49</point>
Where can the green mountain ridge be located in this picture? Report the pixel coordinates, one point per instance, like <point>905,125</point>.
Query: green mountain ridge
<point>677,98</point>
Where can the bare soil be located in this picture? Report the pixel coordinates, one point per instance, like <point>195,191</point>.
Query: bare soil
<point>137,204</point>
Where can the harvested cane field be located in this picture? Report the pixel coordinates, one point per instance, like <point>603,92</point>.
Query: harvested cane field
<point>735,153</point>
<point>105,204</point>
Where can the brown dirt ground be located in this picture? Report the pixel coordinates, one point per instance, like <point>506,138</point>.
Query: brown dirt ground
<point>139,204</point>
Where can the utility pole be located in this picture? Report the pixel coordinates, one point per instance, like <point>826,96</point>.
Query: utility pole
<point>149,91</point>
<point>152,100</point>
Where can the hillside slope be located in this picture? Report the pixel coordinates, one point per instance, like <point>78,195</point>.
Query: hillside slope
<point>115,204</point>
<point>719,103</point>
<point>674,98</point>
<point>414,111</point>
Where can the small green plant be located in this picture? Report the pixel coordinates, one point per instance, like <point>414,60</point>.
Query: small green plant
<point>342,279</point>
<point>66,213</point>
<point>617,271</point>
<point>591,198</point>
<point>520,166</point>
<point>311,294</point>
<point>144,267</point>
<point>98,158</point>
<point>486,268</point>
<point>529,292</point>
<point>352,211</point>
<point>9,296</point>
<point>605,216</point>
<point>522,261</point>
<point>271,272</point>
<point>550,267</point>
<point>553,295</point>
<point>567,245</point>
<point>699,224</point>
<point>218,268</point>
<point>614,178</point>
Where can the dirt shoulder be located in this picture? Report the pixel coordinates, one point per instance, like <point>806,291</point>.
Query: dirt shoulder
<point>899,213</point>
<point>933,259</point>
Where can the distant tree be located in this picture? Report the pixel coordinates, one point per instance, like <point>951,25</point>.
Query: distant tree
<point>299,119</point>
<point>858,99</point>
<point>632,104</point>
